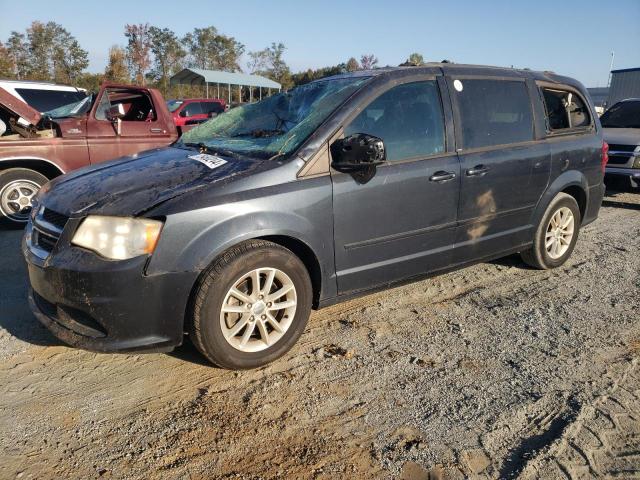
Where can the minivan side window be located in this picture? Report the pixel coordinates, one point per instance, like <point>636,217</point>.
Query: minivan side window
<point>408,118</point>
<point>493,112</point>
<point>565,110</point>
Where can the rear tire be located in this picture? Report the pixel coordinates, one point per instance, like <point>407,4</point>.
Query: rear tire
<point>17,189</point>
<point>240,323</point>
<point>556,235</point>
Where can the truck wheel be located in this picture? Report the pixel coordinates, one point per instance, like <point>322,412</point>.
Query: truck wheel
<point>556,234</point>
<point>251,305</point>
<point>17,189</point>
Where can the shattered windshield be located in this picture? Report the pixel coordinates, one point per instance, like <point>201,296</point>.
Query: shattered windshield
<point>277,125</point>
<point>74,109</point>
<point>622,115</point>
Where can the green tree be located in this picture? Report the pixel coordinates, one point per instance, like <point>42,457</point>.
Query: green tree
<point>90,81</point>
<point>168,55</point>
<point>138,50</point>
<point>211,50</point>
<point>7,67</point>
<point>40,43</point>
<point>270,63</point>
<point>18,51</point>
<point>116,70</point>
<point>415,59</point>
<point>368,61</point>
<point>352,65</point>
<point>68,57</point>
<point>47,52</point>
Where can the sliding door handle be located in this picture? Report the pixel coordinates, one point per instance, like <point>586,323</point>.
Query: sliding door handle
<point>477,171</point>
<point>155,130</point>
<point>442,176</point>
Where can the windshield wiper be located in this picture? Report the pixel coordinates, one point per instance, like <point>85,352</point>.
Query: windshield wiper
<point>201,147</point>
<point>259,133</point>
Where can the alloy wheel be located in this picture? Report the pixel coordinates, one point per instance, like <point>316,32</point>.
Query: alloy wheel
<point>16,199</point>
<point>559,233</point>
<point>258,309</point>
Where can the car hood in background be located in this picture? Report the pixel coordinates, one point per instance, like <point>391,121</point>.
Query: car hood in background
<point>135,184</point>
<point>622,136</point>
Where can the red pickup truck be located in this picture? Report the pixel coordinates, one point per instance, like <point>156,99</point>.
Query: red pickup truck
<point>35,147</point>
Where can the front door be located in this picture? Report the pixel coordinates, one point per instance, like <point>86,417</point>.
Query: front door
<point>140,127</point>
<point>504,171</point>
<point>401,222</point>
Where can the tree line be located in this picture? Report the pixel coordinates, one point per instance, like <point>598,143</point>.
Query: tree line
<point>151,55</point>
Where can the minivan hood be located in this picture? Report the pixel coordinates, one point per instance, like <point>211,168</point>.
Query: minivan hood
<point>19,109</point>
<point>622,136</point>
<point>132,185</point>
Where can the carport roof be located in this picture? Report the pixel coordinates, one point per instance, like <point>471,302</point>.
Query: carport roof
<point>196,76</point>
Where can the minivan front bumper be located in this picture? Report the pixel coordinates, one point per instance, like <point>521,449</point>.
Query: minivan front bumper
<point>107,306</point>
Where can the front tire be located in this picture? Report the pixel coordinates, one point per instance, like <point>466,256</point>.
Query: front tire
<point>556,235</point>
<point>18,186</point>
<point>251,305</point>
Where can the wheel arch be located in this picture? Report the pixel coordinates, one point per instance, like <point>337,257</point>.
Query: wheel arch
<point>41,165</point>
<point>308,257</point>
<point>571,182</point>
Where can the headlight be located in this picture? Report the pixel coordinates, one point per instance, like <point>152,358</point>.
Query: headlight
<point>118,238</point>
<point>636,162</point>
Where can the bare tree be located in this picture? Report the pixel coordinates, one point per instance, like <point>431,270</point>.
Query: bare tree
<point>138,50</point>
<point>368,62</point>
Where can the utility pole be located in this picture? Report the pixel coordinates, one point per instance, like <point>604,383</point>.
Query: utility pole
<point>613,56</point>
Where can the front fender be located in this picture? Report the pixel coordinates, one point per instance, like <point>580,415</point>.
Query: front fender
<point>191,240</point>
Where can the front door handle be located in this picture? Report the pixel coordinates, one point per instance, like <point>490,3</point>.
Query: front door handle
<point>442,176</point>
<point>477,171</point>
<point>155,130</point>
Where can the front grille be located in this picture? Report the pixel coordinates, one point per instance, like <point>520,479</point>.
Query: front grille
<point>617,160</point>
<point>43,240</point>
<point>54,218</point>
<point>47,228</point>
<point>622,148</point>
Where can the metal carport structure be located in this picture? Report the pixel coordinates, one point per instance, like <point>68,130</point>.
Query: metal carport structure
<point>196,76</point>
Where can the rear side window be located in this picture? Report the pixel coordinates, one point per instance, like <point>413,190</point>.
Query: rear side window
<point>45,100</point>
<point>493,112</point>
<point>211,107</point>
<point>565,110</point>
<point>408,118</point>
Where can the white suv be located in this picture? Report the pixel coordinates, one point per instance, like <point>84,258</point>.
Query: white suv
<point>43,96</point>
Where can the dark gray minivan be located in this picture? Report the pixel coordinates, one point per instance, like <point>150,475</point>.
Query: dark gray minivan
<point>336,188</point>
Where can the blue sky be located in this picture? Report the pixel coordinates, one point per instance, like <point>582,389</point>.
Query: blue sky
<point>570,37</point>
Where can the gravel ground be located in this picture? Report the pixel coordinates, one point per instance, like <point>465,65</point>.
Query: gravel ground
<point>494,371</point>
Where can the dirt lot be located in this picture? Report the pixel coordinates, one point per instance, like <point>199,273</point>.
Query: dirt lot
<point>492,371</point>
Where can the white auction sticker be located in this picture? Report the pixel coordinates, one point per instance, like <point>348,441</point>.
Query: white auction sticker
<point>457,84</point>
<point>210,161</point>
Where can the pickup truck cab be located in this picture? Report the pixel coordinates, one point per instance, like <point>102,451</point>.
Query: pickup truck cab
<point>193,111</point>
<point>312,196</point>
<point>36,147</point>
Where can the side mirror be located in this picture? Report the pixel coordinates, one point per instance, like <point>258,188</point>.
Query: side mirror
<point>115,114</point>
<point>212,114</point>
<point>357,152</point>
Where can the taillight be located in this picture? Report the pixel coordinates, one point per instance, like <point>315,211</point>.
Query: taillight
<point>605,155</point>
